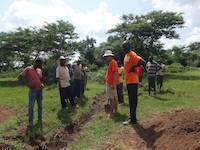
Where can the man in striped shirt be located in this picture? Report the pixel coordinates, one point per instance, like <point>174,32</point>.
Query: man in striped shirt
<point>151,68</point>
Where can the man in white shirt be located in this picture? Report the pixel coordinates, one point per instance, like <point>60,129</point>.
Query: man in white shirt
<point>63,79</point>
<point>160,75</point>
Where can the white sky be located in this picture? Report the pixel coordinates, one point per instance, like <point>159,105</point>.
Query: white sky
<point>96,17</point>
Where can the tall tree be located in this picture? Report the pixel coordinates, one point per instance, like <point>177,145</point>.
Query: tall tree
<point>87,50</point>
<point>144,31</point>
<point>57,38</point>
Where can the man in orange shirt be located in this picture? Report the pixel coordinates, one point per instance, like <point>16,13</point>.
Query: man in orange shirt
<point>112,80</point>
<point>131,61</point>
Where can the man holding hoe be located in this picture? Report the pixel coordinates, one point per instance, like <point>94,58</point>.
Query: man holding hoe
<point>112,80</point>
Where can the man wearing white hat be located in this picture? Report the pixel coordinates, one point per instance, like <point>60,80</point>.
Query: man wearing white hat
<point>112,80</point>
<point>63,78</point>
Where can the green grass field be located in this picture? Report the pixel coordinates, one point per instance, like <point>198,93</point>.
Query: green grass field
<point>186,87</point>
<point>15,97</point>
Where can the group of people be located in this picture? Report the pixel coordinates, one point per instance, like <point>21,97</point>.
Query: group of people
<point>132,72</point>
<point>114,81</point>
<point>155,71</point>
<point>71,81</point>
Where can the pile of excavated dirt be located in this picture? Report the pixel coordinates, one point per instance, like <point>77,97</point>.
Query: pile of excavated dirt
<point>178,130</point>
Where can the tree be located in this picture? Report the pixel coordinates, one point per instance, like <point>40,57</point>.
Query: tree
<point>145,31</point>
<point>57,38</point>
<point>195,46</point>
<point>17,46</point>
<point>25,44</point>
<point>87,50</point>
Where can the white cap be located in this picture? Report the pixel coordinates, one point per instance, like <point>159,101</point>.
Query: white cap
<point>62,57</point>
<point>108,53</point>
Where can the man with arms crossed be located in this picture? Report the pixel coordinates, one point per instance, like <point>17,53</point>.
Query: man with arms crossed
<point>63,79</point>
<point>131,61</point>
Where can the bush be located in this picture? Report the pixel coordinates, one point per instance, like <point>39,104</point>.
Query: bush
<point>10,74</point>
<point>175,68</point>
<point>93,67</point>
<point>98,75</point>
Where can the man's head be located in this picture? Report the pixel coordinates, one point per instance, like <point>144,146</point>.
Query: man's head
<point>150,58</point>
<point>126,46</point>
<point>108,55</point>
<point>38,63</point>
<point>62,61</point>
<point>159,61</point>
<point>78,62</point>
<point>119,63</point>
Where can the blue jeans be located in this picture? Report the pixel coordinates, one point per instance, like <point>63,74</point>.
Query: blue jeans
<point>35,95</point>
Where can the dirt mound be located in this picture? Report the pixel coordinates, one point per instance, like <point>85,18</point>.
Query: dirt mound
<point>179,130</point>
<point>5,114</point>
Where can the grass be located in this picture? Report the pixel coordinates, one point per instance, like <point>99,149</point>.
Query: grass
<point>185,85</point>
<point>15,96</point>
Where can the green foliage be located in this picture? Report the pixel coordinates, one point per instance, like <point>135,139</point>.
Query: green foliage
<point>11,74</point>
<point>185,55</point>
<point>144,31</point>
<point>25,44</point>
<point>98,75</point>
<point>175,68</point>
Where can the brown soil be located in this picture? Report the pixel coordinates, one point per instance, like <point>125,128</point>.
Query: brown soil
<point>4,146</point>
<point>67,135</point>
<point>179,130</point>
<point>5,114</point>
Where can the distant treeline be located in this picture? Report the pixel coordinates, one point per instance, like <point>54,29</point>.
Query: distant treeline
<point>20,47</point>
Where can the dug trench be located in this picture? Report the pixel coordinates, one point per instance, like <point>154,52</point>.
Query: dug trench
<point>7,114</point>
<point>67,135</point>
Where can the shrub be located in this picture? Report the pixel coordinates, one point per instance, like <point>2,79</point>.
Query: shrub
<point>10,74</point>
<point>175,68</point>
<point>98,75</point>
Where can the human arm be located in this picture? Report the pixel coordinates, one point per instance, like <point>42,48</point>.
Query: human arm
<point>58,77</point>
<point>22,77</point>
<point>140,62</point>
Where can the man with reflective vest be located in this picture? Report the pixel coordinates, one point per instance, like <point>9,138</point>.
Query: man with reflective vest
<point>131,61</point>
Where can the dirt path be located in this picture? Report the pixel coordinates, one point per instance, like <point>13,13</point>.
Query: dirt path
<point>5,114</point>
<point>67,135</point>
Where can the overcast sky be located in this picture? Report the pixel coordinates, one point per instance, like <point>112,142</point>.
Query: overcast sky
<point>95,17</point>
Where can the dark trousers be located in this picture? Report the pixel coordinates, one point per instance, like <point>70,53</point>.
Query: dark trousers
<point>140,78</point>
<point>77,88</point>
<point>82,87</point>
<point>120,93</point>
<point>133,100</point>
<point>152,84</point>
<point>66,94</point>
<point>160,81</point>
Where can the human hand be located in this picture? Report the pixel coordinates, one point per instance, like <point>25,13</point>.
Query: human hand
<point>133,70</point>
<point>113,87</point>
<point>42,85</point>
